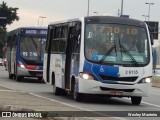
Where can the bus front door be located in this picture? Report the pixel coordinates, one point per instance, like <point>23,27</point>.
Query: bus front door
<point>47,56</point>
<point>68,58</point>
<point>72,51</point>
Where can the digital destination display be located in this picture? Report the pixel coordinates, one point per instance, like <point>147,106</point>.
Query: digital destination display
<point>34,31</point>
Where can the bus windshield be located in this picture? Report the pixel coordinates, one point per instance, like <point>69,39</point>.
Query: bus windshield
<point>32,48</point>
<point>116,44</point>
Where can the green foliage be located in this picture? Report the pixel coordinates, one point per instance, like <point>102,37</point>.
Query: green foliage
<point>3,35</point>
<point>10,13</point>
<point>7,16</point>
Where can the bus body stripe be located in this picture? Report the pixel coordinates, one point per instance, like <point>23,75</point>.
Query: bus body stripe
<point>97,70</point>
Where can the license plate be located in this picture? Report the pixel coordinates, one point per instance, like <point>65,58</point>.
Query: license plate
<point>39,75</point>
<point>118,93</point>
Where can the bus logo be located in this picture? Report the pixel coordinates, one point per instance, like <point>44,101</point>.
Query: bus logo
<point>37,68</point>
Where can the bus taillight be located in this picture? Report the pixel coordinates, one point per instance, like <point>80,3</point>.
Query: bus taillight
<point>30,67</point>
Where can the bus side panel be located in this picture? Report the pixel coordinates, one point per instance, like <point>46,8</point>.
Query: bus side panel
<point>75,67</point>
<point>82,56</point>
<point>45,67</point>
<point>57,68</point>
<point>8,59</point>
<point>13,59</point>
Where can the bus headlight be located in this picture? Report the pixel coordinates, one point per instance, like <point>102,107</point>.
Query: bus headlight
<point>86,76</point>
<point>22,66</point>
<point>146,80</point>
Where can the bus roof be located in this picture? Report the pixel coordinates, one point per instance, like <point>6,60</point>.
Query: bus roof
<point>114,19</point>
<point>104,19</point>
<point>20,28</point>
<point>65,21</point>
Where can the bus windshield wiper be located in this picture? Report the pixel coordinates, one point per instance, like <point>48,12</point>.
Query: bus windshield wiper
<point>108,52</point>
<point>32,39</point>
<point>36,46</point>
<point>128,53</point>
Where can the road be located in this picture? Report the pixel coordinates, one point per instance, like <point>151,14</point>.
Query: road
<point>151,103</point>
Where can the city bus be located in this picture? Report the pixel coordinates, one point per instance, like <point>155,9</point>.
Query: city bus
<point>88,56</point>
<point>25,50</point>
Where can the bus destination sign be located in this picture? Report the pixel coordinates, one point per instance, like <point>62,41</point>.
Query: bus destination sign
<point>34,31</point>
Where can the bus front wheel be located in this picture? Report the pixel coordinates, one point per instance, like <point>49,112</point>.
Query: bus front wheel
<point>11,76</point>
<point>77,96</point>
<point>59,91</point>
<point>18,78</point>
<point>56,90</point>
<point>136,100</point>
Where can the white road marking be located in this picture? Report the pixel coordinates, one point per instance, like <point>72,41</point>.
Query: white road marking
<point>9,91</point>
<point>151,104</point>
<point>147,103</point>
<point>75,106</point>
<point>57,101</point>
<point>79,107</point>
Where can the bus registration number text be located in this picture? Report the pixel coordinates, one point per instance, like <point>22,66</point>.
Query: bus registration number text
<point>113,92</point>
<point>131,72</point>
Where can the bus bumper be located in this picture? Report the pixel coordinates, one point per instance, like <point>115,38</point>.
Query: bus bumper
<point>121,90</point>
<point>29,73</point>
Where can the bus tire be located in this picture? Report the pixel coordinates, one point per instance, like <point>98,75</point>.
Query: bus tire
<point>11,76</point>
<point>18,78</point>
<point>136,100</point>
<point>42,80</point>
<point>77,96</point>
<point>56,90</point>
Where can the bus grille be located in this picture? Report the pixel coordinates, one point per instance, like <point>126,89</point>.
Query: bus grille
<point>109,89</point>
<point>35,73</point>
<point>124,79</point>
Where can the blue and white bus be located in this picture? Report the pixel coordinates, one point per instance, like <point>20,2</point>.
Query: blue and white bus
<point>25,50</point>
<point>88,56</point>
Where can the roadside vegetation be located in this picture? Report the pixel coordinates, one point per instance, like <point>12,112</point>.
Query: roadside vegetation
<point>156,81</point>
<point>7,16</point>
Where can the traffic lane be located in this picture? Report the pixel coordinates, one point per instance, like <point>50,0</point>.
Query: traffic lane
<point>154,97</point>
<point>97,104</point>
<point>120,104</point>
<point>27,85</point>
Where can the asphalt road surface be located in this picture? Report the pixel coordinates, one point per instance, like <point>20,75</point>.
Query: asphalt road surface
<point>151,103</point>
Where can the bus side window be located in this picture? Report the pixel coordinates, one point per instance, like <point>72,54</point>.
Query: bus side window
<point>59,39</point>
<point>64,31</point>
<point>63,39</point>
<point>76,37</point>
<point>48,39</point>
<point>14,42</point>
<point>9,44</point>
<point>55,39</point>
<point>55,45</point>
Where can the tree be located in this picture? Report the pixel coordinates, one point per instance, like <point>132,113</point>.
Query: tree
<point>3,35</point>
<point>9,13</point>
<point>7,16</point>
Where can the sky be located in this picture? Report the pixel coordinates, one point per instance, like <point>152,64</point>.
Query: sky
<point>54,10</point>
